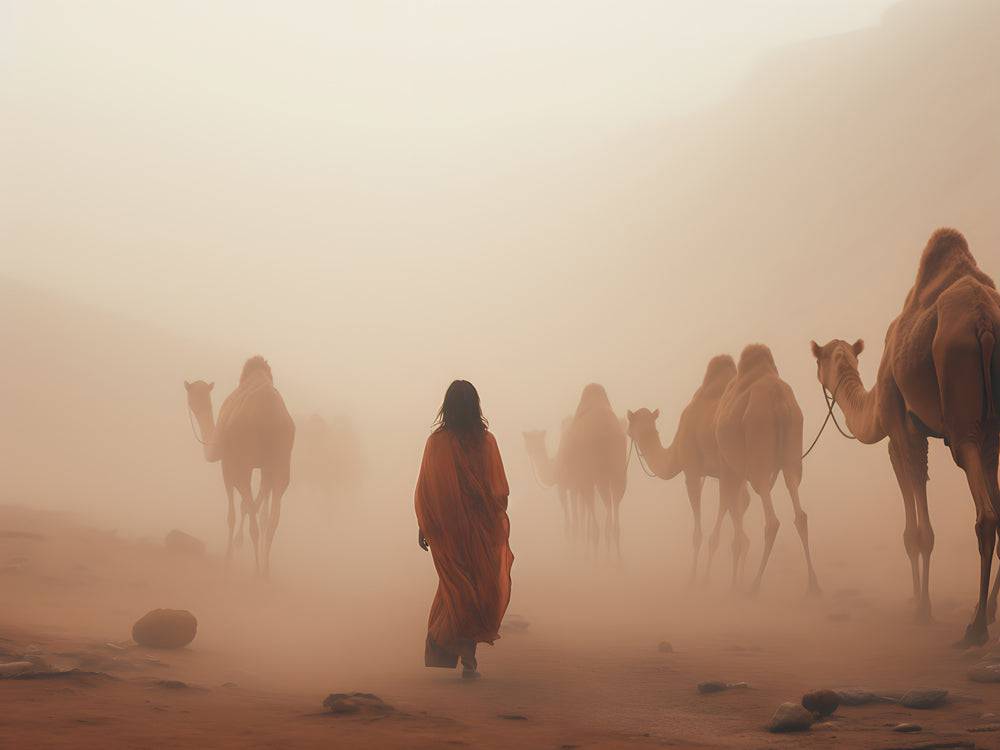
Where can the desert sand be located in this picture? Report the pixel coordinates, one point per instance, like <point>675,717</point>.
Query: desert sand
<point>267,654</point>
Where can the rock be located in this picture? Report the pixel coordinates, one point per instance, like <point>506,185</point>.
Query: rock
<point>988,716</point>
<point>514,717</point>
<point>929,698</point>
<point>986,728</point>
<point>822,702</point>
<point>514,624</point>
<point>12,668</point>
<point>791,717</point>
<point>859,697</point>
<point>712,686</point>
<point>984,673</point>
<point>183,543</point>
<point>165,628</point>
<point>229,685</point>
<point>907,728</point>
<point>171,684</point>
<point>665,647</point>
<point>356,703</point>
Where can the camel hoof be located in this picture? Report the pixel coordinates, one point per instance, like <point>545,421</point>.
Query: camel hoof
<point>973,637</point>
<point>924,616</point>
<point>813,591</point>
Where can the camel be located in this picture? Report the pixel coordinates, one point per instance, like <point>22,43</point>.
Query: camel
<point>758,428</point>
<point>939,377</point>
<point>254,431</point>
<point>595,459</point>
<point>695,453</point>
<point>550,472</point>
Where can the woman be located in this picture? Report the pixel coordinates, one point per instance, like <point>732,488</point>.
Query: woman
<point>461,503</point>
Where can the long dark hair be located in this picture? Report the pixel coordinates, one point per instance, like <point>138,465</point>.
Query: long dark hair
<point>461,413</point>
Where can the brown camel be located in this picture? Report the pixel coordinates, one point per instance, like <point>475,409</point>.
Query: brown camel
<point>759,432</point>
<point>550,472</point>
<point>595,459</point>
<point>694,452</point>
<point>939,377</point>
<point>254,431</point>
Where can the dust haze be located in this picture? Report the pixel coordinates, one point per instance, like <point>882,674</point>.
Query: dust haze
<point>383,197</point>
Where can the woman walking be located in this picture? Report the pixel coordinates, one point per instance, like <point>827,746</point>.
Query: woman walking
<point>461,504</point>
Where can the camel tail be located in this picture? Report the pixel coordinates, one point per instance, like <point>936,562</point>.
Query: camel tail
<point>987,346</point>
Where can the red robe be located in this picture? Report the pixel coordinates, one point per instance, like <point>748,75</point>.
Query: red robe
<point>461,504</point>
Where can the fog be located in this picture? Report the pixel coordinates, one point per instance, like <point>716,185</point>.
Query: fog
<point>382,197</point>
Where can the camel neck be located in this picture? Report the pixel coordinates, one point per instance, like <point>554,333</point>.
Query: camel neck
<point>859,405</point>
<point>206,425</point>
<point>662,461</point>
<point>544,465</point>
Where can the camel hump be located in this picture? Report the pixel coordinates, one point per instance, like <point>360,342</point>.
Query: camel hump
<point>945,260</point>
<point>721,369</point>
<point>254,365</point>
<point>754,358</point>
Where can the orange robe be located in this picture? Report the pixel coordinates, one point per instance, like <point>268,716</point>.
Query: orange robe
<point>461,503</point>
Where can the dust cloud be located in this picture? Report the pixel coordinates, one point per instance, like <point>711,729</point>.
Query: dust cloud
<point>382,197</point>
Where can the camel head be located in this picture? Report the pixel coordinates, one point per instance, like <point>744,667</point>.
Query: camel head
<point>199,395</point>
<point>534,441</point>
<point>642,424</point>
<point>832,357</point>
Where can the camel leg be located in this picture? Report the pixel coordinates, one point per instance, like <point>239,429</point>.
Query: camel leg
<point>990,461</point>
<point>771,526</point>
<point>247,510</point>
<point>604,490</point>
<point>802,526</point>
<point>260,502</point>
<point>917,462</point>
<point>564,501</point>
<point>591,532</point>
<point>277,492</point>
<point>910,534</point>
<point>231,519</point>
<point>742,506</point>
<point>694,486</point>
<point>959,362</point>
<point>618,485</point>
<point>729,488</point>
<point>713,538</point>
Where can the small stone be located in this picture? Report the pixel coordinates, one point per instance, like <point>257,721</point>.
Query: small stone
<point>712,686</point>
<point>907,728</point>
<point>356,703</point>
<point>988,716</point>
<point>984,673</point>
<point>986,728</point>
<point>183,543</point>
<point>165,628</point>
<point>929,698</point>
<point>791,717</point>
<point>665,647</point>
<point>11,668</point>
<point>229,685</point>
<point>514,624</point>
<point>822,702</point>
<point>171,684</point>
<point>514,717</point>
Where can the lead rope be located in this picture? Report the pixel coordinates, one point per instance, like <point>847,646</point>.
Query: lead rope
<point>642,461</point>
<point>194,431</point>
<point>831,401</point>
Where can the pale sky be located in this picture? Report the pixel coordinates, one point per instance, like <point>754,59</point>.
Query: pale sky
<point>349,169</point>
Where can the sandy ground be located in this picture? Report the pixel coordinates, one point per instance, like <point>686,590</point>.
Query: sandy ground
<point>268,653</point>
